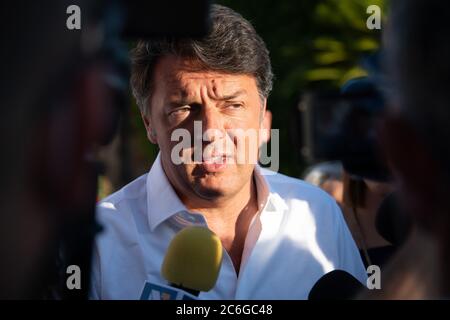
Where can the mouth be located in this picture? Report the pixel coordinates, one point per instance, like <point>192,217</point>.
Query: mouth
<point>216,163</point>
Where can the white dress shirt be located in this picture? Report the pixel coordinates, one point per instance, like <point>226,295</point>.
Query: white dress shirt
<point>297,236</point>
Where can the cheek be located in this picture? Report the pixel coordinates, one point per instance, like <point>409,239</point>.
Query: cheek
<point>250,119</point>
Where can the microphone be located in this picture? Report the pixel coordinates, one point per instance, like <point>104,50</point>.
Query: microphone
<point>193,260</point>
<point>336,285</point>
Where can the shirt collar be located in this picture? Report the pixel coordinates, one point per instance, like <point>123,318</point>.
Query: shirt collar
<point>268,199</point>
<point>163,203</point>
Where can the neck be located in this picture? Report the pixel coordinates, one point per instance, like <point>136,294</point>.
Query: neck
<point>225,210</point>
<point>361,222</point>
<point>230,220</point>
<point>372,203</point>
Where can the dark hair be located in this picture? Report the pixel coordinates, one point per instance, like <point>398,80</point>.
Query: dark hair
<point>355,190</point>
<point>231,46</point>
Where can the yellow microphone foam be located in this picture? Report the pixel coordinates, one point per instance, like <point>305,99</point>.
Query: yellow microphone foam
<point>193,259</point>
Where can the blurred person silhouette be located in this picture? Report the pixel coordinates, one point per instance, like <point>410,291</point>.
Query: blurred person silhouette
<point>360,200</point>
<point>58,105</point>
<point>415,137</point>
<point>366,178</point>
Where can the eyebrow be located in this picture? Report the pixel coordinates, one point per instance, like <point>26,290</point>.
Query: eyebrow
<point>233,95</point>
<point>184,100</point>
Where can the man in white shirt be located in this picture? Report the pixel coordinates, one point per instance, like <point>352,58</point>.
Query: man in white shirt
<point>279,235</point>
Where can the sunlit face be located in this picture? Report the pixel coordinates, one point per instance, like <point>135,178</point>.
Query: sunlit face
<point>222,102</point>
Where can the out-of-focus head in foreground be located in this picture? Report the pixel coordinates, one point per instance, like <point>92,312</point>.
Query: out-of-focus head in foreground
<point>415,137</point>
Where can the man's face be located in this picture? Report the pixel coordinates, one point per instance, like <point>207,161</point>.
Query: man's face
<point>218,103</point>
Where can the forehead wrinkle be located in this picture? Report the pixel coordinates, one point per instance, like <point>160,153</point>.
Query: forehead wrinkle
<point>225,89</point>
<point>212,89</point>
<point>183,84</point>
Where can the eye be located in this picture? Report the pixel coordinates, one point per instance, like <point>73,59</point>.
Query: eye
<point>234,106</point>
<point>180,111</point>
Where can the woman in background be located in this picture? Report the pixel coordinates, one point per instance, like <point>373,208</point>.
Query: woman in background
<point>360,200</point>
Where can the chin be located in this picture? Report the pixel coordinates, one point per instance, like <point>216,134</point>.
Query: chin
<point>212,187</point>
<point>209,192</point>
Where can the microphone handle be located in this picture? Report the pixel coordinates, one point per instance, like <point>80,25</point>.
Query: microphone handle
<point>190,291</point>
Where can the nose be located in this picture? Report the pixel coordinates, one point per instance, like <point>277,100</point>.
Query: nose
<point>212,124</point>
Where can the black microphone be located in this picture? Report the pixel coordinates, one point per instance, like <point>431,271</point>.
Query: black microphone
<point>336,285</point>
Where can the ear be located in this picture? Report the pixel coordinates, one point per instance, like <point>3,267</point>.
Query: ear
<point>151,134</point>
<point>413,167</point>
<point>266,124</point>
